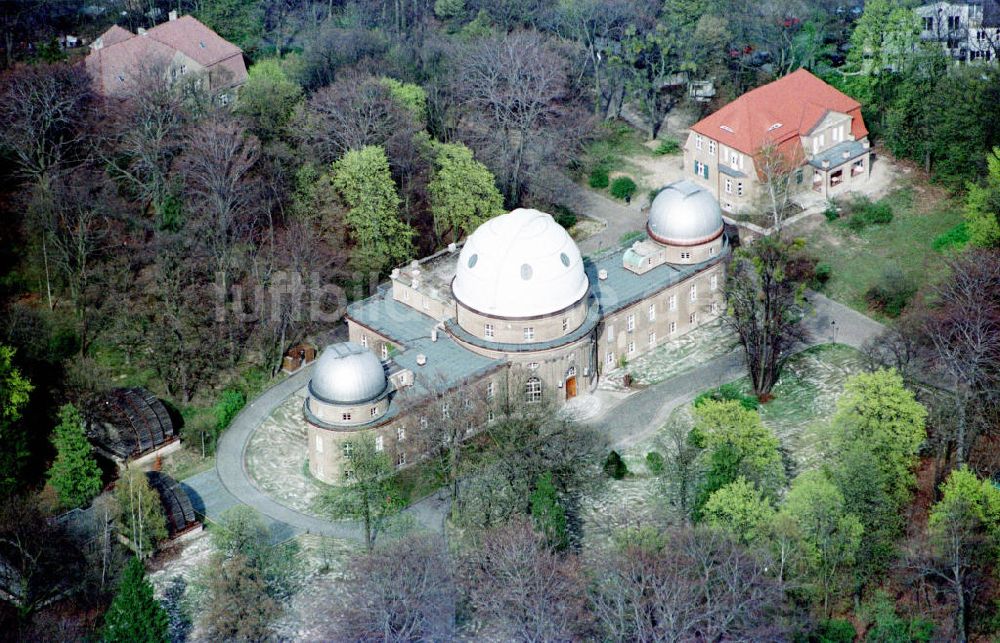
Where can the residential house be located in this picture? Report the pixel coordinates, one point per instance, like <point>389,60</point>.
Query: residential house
<point>967,31</point>
<point>797,125</point>
<point>182,46</point>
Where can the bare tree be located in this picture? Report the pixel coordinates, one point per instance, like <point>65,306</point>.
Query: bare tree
<point>962,329</point>
<point>355,111</point>
<point>777,169</point>
<point>700,585</point>
<point>521,120</point>
<point>404,590</point>
<point>43,112</point>
<point>522,589</point>
<point>221,189</point>
<point>764,309</point>
<point>76,217</point>
<point>146,137</point>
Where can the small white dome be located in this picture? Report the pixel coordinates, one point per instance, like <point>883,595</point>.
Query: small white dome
<point>520,264</point>
<point>684,214</point>
<point>347,373</point>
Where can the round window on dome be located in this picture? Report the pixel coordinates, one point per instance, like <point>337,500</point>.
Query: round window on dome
<point>564,258</point>
<point>526,271</point>
<point>473,259</point>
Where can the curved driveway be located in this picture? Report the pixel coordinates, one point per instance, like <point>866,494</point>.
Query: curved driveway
<point>647,411</point>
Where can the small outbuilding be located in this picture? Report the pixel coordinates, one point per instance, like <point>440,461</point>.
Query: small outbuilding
<point>177,507</point>
<point>131,426</point>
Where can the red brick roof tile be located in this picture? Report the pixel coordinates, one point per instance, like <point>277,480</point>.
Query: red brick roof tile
<point>778,113</point>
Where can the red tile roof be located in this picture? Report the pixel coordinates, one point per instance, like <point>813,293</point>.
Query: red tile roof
<point>123,53</point>
<point>798,102</point>
<point>196,41</point>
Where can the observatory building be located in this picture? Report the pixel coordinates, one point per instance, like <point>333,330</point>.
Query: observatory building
<point>517,313</point>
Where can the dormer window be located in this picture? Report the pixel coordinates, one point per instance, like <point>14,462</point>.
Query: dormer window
<point>774,127</point>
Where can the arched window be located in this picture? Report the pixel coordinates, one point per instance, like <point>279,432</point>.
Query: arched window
<point>533,390</point>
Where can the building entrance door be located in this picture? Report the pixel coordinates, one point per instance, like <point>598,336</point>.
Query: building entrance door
<point>570,387</point>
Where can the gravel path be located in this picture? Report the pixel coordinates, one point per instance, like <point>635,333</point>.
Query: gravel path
<point>618,218</point>
<point>230,484</point>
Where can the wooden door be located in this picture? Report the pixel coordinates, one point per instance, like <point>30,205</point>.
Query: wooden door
<point>570,388</point>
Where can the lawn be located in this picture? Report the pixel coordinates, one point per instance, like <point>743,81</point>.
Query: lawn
<point>859,260</point>
<point>804,399</point>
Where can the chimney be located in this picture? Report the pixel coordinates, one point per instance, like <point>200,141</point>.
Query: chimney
<point>394,274</point>
<point>434,334</point>
<point>421,359</point>
<point>141,31</point>
<point>172,15</point>
<point>846,154</point>
<point>602,274</point>
<point>452,247</point>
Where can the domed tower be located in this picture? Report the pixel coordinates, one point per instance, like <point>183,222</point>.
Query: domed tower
<point>687,220</point>
<point>349,391</point>
<point>684,226</point>
<point>520,280</point>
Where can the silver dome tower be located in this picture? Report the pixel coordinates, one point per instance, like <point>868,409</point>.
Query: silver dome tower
<point>684,214</point>
<point>347,373</point>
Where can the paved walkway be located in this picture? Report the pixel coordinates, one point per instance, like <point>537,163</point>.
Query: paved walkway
<point>618,218</point>
<point>230,484</point>
<point>649,408</point>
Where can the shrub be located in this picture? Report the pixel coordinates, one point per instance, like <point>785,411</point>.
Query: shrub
<point>954,239</point>
<point>891,294</point>
<point>654,462</point>
<point>832,212</point>
<point>227,407</point>
<point>565,217</point>
<point>667,146</point>
<point>623,188</point>
<point>599,178</point>
<point>865,213</point>
<point>728,392</point>
<point>823,273</point>
<point>614,466</point>
<point>835,630</point>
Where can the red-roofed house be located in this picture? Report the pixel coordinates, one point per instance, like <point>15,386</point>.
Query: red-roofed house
<point>182,45</point>
<point>815,128</point>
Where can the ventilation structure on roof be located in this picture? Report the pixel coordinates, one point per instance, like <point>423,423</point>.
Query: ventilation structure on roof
<point>774,127</point>
<point>726,128</point>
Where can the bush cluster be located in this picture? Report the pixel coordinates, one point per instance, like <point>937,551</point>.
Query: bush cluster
<point>954,239</point>
<point>623,188</point>
<point>728,392</point>
<point>865,213</point>
<point>667,146</point>
<point>565,217</point>
<point>891,294</point>
<point>614,466</point>
<point>599,178</point>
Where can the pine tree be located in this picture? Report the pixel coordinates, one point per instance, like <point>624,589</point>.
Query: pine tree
<point>548,514</point>
<point>135,616</point>
<point>74,475</point>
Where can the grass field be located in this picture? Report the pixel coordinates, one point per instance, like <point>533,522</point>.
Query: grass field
<point>804,399</point>
<point>859,260</point>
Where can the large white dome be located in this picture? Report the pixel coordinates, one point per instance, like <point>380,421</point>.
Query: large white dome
<point>520,264</point>
<point>684,214</point>
<point>347,373</point>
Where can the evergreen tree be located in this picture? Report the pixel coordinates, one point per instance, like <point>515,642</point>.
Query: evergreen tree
<point>74,475</point>
<point>463,192</point>
<point>363,180</point>
<point>548,514</point>
<point>135,616</point>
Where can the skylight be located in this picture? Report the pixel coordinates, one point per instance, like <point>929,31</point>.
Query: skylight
<point>201,43</point>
